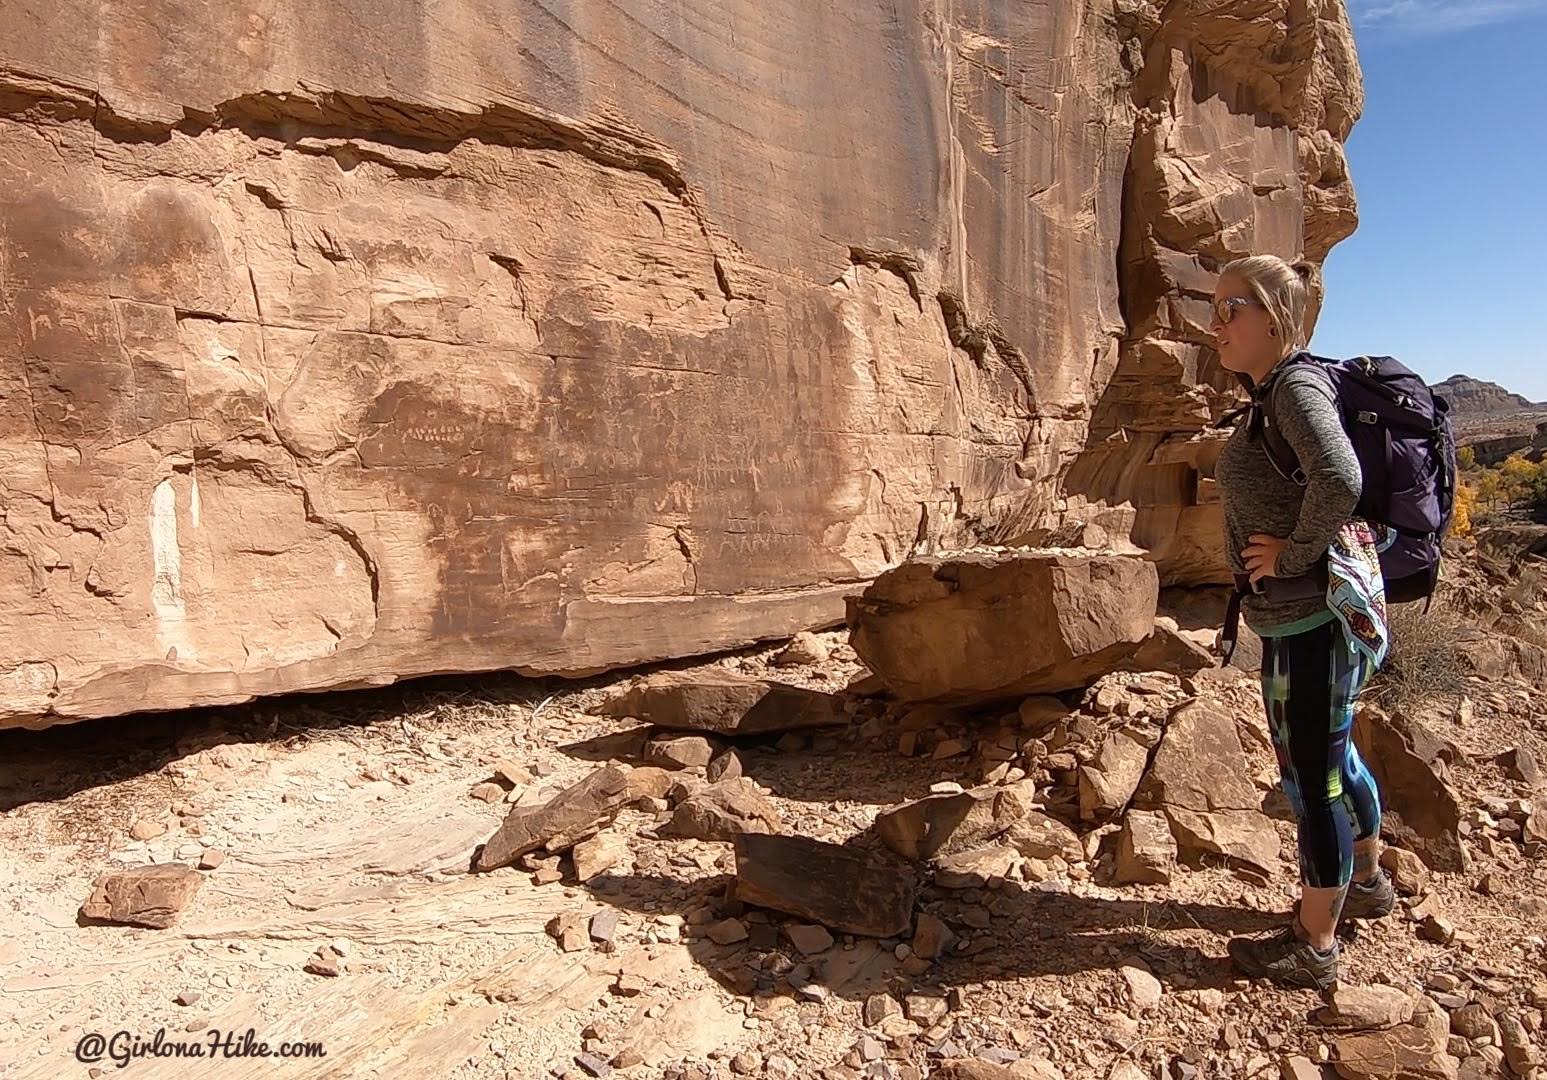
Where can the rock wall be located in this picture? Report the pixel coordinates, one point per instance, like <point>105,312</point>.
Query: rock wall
<point>344,343</point>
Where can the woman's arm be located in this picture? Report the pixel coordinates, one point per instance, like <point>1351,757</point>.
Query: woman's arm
<point>1308,419</point>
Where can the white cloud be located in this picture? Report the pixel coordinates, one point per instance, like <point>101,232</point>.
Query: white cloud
<point>1440,16</point>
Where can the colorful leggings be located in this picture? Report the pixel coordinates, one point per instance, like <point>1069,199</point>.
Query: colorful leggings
<point>1310,684</point>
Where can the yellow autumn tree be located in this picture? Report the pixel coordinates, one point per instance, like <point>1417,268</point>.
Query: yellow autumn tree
<point>1466,459</point>
<point>1488,485</point>
<point>1518,479</point>
<point>1466,498</point>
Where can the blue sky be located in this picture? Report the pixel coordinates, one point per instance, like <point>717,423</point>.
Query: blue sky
<point>1448,270</point>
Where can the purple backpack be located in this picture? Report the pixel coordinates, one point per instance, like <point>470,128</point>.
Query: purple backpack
<point>1402,435</point>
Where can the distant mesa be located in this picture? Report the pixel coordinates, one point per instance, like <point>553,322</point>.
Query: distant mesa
<point>1475,397</point>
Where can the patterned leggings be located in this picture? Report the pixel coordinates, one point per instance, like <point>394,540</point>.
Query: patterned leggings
<point>1310,684</point>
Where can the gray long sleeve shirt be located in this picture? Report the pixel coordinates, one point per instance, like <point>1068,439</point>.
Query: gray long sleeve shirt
<point>1259,499</point>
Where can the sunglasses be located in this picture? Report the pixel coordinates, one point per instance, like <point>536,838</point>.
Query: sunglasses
<point>1224,310</point>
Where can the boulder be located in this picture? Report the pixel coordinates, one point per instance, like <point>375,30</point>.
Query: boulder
<point>1001,626</point>
<point>841,888</point>
<point>723,703</point>
<point>574,814</point>
<point>1420,810</point>
<point>1201,782</point>
<point>152,896</point>
<point>725,811</point>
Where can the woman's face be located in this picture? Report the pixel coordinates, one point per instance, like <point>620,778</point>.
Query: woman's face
<point>1243,330</point>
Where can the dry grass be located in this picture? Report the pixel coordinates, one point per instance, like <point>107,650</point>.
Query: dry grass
<point>1423,664</point>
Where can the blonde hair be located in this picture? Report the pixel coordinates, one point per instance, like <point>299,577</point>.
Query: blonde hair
<point>1282,289</point>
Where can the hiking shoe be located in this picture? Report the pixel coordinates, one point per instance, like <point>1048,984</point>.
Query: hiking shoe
<point>1374,900</point>
<point>1282,957</point>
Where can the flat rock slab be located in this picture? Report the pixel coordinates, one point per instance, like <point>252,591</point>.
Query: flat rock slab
<point>1414,1051</point>
<point>152,896</point>
<point>574,814</point>
<point>1003,625</point>
<point>841,888</point>
<point>724,704</point>
<point>1418,808</point>
<point>1201,781</point>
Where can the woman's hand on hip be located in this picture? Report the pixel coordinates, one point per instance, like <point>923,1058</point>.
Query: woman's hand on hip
<point>1261,556</point>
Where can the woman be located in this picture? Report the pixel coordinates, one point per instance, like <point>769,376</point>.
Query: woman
<point>1278,534</point>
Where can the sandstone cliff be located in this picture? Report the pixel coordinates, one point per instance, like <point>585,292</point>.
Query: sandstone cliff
<point>343,343</point>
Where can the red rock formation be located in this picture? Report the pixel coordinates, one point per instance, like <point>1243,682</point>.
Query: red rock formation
<point>346,343</point>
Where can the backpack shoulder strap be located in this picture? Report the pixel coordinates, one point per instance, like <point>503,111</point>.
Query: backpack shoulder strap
<point>1280,453</point>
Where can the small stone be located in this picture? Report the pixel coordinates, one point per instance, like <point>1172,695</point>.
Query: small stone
<point>931,937</point>
<point>1146,850</point>
<point>569,931</point>
<point>597,855</point>
<point>324,962</point>
<point>808,939</point>
<point>488,792</point>
<point>804,648</point>
<point>747,1063</point>
<point>593,1066</point>
<point>1298,1068</point>
<point>679,751</point>
<point>1407,870</point>
<point>949,748</point>
<point>1520,765</point>
<point>1472,1021</point>
<point>727,932</point>
<point>1519,1053</point>
<point>1444,982</point>
<point>512,773</point>
<point>145,829</point>
<point>727,766</point>
<point>1143,988</point>
<point>188,997</point>
<point>779,1067</point>
<point>211,858</point>
<point>1365,1008</point>
<point>792,742</point>
<point>924,1010</point>
<point>878,1007</point>
<point>1438,930</point>
<point>152,896</point>
<point>604,928</point>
